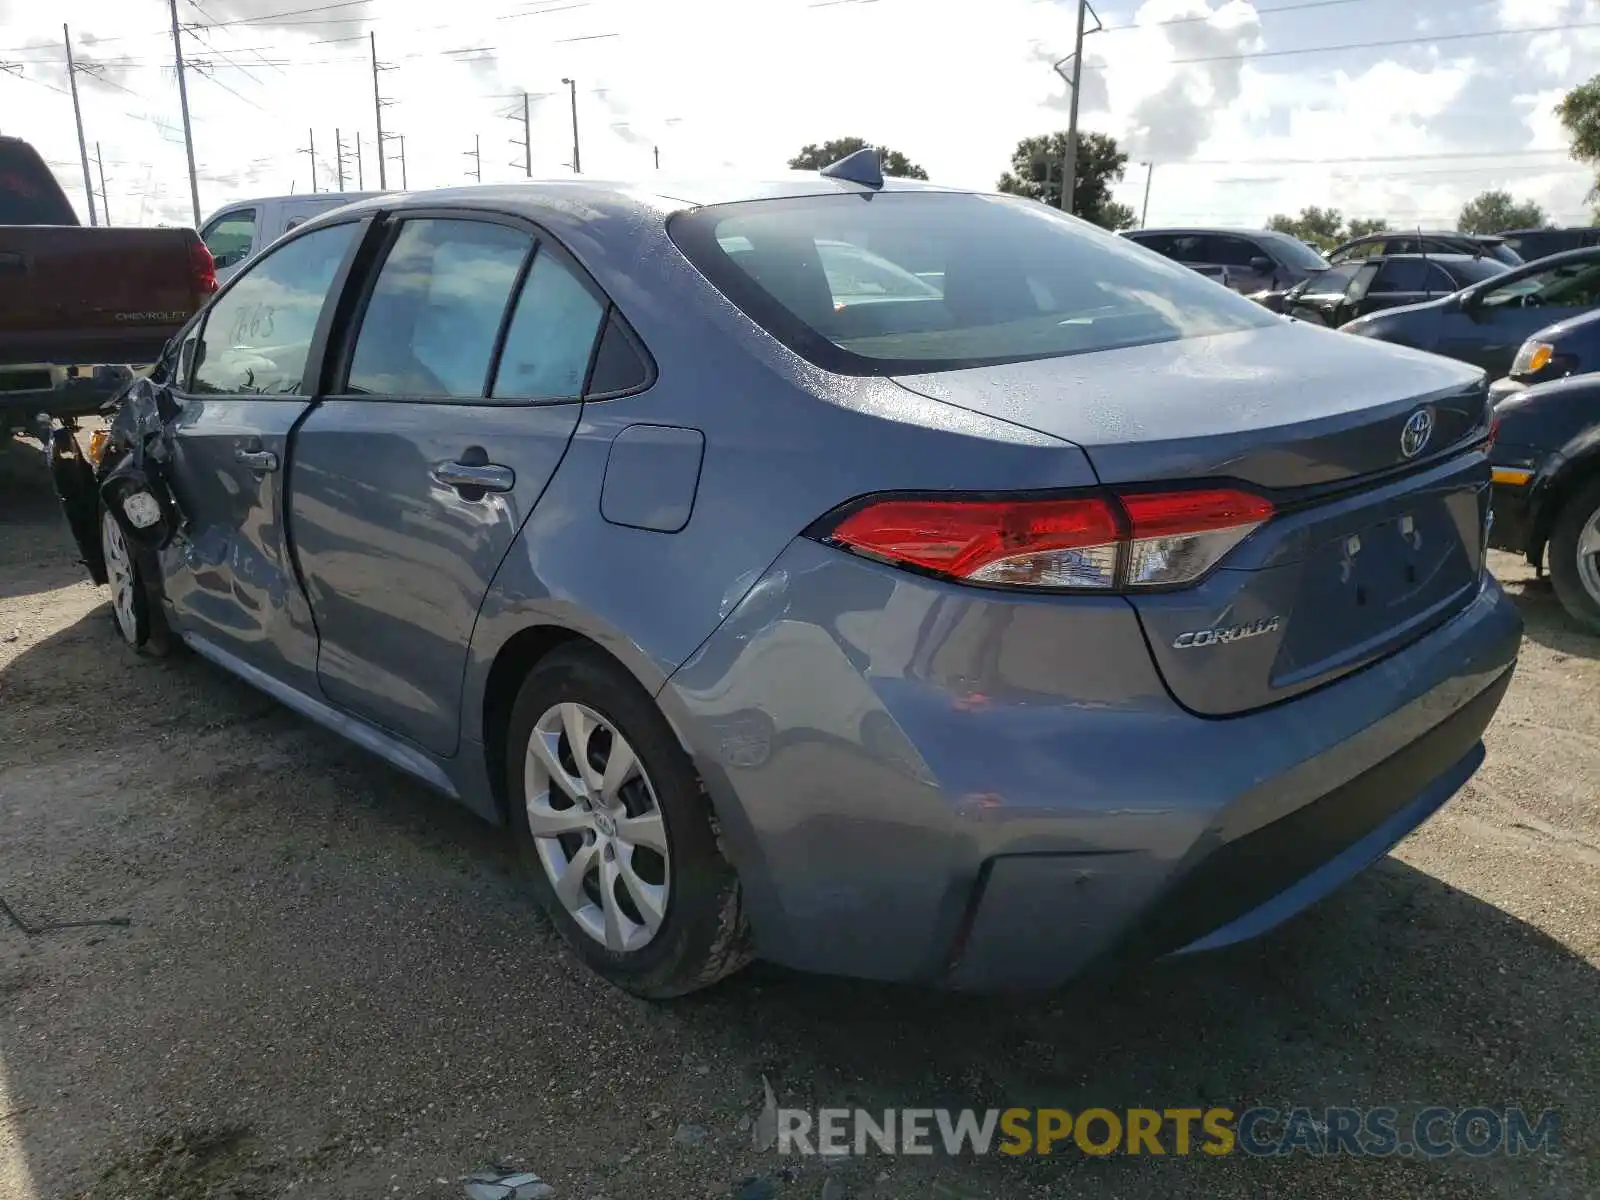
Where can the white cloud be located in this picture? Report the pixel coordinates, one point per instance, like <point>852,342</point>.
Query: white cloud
<point>742,84</point>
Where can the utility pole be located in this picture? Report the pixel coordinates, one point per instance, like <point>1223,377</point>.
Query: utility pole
<point>361,184</point>
<point>527,138</point>
<point>1069,163</point>
<point>377,108</point>
<point>476,155</point>
<point>312,151</point>
<point>105,204</point>
<point>338,151</point>
<point>183,103</point>
<point>657,149</point>
<point>77,115</point>
<point>401,138</point>
<point>1144,215</point>
<point>572,88</point>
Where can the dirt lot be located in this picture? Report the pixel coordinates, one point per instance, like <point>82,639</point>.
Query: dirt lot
<point>331,984</point>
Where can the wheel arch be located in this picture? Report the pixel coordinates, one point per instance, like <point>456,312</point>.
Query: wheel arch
<point>1565,473</point>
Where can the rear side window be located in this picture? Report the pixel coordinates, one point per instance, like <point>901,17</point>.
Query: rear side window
<point>231,237</point>
<point>1402,275</point>
<point>997,279</point>
<point>258,333</point>
<point>29,193</point>
<point>430,327</point>
<point>551,336</point>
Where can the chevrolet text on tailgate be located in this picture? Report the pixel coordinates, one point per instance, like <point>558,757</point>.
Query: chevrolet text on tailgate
<point>882,579</point>
<point>81,308</point>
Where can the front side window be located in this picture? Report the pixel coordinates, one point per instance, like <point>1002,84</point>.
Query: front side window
<point>1333,281</point>
<point>551,336</point>
<point>1014,280</point>
<point>1232,252</point>
<point>257,334</point>
<point>1571,285</point>
<point>1401,275</point>
<point>430,326</point>
<point>231,236</point>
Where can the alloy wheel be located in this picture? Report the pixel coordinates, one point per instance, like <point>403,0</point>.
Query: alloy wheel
<point>119,574</point>
<point>1589,556</point>
<point>597,826</point>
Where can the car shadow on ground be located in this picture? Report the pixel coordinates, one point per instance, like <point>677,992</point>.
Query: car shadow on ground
<point>333,977</point>
<point>1546,621</point>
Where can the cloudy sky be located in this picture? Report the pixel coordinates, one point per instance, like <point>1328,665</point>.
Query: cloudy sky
<point>1395,108</point>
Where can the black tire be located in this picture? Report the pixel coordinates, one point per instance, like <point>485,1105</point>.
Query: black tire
<point>1569,524</point>
<point>703,936</point>
<point>143,627</point>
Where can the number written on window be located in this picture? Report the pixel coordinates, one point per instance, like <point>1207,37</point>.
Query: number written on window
<point>257,335</point>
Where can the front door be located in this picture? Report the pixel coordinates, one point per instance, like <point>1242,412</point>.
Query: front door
<point>1491,326</point>
<point>411,482</point>
<point>241,387</point>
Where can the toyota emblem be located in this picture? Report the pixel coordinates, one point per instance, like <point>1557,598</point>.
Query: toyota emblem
<point>1416,432</point>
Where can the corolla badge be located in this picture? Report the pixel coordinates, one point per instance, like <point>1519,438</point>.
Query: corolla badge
<point>1226,633</point>
<point>1415,433</point>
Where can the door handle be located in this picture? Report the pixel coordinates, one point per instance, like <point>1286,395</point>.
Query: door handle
<point>483,477</point>
<point>256,460</point>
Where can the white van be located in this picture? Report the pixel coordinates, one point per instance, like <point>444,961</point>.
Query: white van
<point>241,229</point>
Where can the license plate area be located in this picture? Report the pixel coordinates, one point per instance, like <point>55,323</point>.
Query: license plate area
<point>1382,576</point>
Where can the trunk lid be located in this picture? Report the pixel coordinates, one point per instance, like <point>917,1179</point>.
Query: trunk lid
<point>1372,546</point>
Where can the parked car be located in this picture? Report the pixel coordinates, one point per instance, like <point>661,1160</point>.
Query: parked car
<point>1547,487</point>
<point>1254,259</point>
<point>235,232</point>
<point>80,307</point>
<point>1487,323</point>
<point>1541,243</point>
<point>1570,347</point>
<point>1375,245</point>
<point>862,636</point>
<point>1355,288</point>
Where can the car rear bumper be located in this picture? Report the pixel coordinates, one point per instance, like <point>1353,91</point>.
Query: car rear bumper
<point>61,391</point>
<point>926,782</point>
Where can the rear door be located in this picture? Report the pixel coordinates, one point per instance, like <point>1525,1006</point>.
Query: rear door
<point>243,383</point>
<point>454,405</point>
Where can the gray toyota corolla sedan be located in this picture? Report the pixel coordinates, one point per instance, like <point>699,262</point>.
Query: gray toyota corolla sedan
<point>877,578</point>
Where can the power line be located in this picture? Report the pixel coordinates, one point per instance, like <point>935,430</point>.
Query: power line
<point>1260,12</point>
<point>1321,162</point>
<point>1413,41</point>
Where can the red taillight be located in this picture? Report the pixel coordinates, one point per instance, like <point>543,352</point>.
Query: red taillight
<point>202,269</point>
<point>1098,541</point>
<point>991,541</point>
<point>1494,432</point>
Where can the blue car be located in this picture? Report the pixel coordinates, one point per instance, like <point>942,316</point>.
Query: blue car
<point>1044,606</point>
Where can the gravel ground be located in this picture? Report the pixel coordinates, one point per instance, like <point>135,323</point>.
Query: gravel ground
<point>333,985</point>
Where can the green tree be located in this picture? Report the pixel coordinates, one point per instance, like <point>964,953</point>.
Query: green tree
<point>1036,166</point>
<point>815,157</point>
<point>1322,226</point>
<point>1492,212</point>
<point>1579,111</point>
<point>1361,226</point>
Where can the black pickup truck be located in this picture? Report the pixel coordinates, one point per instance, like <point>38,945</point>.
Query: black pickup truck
<point>81,309</point>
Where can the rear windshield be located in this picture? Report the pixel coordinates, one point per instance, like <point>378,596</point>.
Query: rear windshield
<point>897,282</point>
<point>29,193</point>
